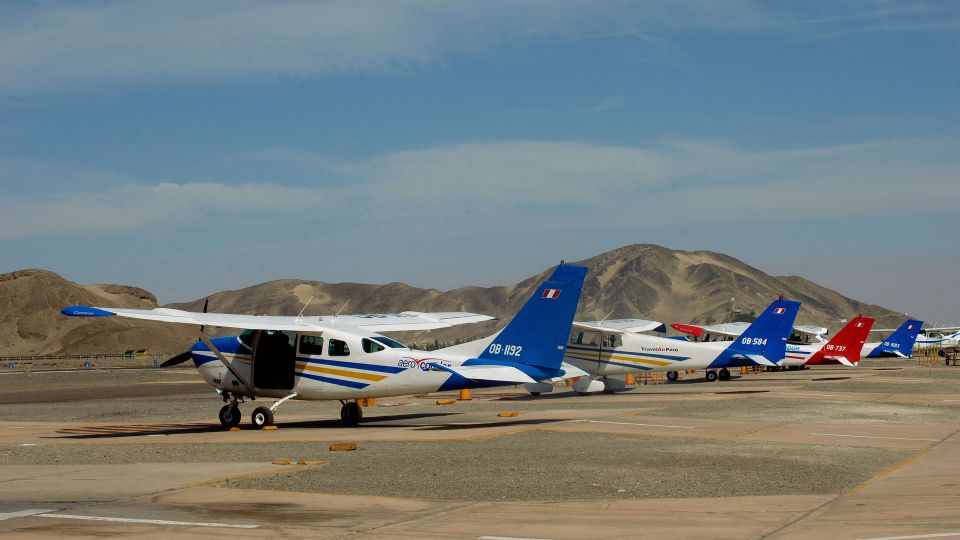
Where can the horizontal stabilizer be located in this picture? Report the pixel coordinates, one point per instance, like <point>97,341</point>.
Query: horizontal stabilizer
<point>760,360</point>
<point>505,374</point>
<point>569,371</point>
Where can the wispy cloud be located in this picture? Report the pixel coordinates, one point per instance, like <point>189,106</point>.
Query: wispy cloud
<point>125,209</point>
<point>65,45</point>
<point>529,186</point>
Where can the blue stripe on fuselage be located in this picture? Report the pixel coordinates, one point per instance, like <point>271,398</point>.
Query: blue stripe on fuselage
<point>321,378</point>
<point>354,365</point>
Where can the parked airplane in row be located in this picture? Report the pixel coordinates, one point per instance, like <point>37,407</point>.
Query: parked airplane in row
<point>606,350</point>
<point>343,358</point>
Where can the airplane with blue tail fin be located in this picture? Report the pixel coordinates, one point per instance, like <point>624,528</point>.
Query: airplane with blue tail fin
<point>899,344</point>
<point>604,351</point>
<point>344,358</point>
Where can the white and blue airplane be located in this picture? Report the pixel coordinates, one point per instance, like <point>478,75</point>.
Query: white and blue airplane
<point>607,350</point>
<point>899,344</point>
<point>343,358</point>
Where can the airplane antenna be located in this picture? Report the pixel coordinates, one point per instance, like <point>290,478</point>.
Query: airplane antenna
<point>344,306</point>
<point>607,315</point>
<point>300,316</point>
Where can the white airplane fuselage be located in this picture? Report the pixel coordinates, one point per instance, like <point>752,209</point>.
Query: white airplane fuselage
<point>641,353</point>
<point>309,370</point>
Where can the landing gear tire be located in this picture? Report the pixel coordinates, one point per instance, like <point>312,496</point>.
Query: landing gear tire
<point>230,415</point>
<point>711,376</point>
<point>351,413</point>
<point>261,417</point>
<point>534,394</point>
<point>724,374</point>
<point>672,376</point>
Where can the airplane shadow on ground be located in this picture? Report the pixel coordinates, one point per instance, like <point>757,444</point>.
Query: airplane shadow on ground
<point>374,422</point>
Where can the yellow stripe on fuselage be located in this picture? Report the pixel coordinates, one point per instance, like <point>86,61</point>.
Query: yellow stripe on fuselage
<point>341,372</point>
<point>617,357</point>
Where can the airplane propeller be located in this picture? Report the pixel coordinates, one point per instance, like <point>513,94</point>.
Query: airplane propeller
<point>178,359</point>
<point>184,356</point>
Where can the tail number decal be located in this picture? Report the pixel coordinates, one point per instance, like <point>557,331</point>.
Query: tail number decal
<point>754,341</point>
<point>507,350</point>
<point>836,348</point>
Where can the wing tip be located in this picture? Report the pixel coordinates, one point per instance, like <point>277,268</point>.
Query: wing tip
<point>85,311</point>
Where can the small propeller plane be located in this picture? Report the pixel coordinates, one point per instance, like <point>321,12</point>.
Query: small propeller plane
<point>899,344</point>
<point>343,358</point>
<point>844,348</point>
<point>604,349</point>
<point>944,338</point>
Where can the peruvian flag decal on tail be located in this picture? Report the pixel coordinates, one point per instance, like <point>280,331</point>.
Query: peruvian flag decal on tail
<point>550,293</point>
<point>779,311</point>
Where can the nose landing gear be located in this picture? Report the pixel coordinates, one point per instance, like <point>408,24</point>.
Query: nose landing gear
<point>350,414</point>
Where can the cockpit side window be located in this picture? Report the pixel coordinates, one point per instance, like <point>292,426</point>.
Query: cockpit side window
<point>370,346</point>
<point>312,345</point>
<point>338,348</point>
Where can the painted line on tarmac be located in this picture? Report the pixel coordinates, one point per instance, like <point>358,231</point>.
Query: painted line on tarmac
<point>934,535</point>
<point>806,394</point>
<point>24,513</point>
<point>508,538</point>
<point>149,521</point>
<point>632,424</point>
<point>873,437</point>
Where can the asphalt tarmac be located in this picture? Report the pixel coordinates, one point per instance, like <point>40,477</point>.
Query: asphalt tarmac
<point>869,452</point>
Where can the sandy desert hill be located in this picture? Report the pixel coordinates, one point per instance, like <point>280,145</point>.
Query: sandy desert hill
<point>640,280</point>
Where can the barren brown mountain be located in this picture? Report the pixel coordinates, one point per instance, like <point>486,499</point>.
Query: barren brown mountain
<point>643,280</point>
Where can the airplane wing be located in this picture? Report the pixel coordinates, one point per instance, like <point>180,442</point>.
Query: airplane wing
<point>811,329</point>
<point>621,326</point>
<point>487,373</point>
<point>407,320</point>
<point>736,328</point>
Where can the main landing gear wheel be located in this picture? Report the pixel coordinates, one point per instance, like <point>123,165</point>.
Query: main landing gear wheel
<point>351,413</point>
<point>711,376</point>
<point>724,374</point>
<point>672,376</point>
<point>261,417</point>
<point>230,415</point>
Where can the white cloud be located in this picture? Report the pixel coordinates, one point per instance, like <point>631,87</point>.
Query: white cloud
<point>127,208</point>
<point>65,45</point>
<point>526,187</point>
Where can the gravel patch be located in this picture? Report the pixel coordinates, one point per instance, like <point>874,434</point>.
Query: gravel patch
<point>99,454</point>
<point>542,465</point>
<point>818,411</point>
<point>888,385</point>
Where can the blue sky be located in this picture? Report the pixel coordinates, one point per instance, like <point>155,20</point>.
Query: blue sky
<point>193,147</point>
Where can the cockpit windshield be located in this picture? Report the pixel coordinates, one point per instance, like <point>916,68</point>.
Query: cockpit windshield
<point>246,337</point>
<point>389,342</point>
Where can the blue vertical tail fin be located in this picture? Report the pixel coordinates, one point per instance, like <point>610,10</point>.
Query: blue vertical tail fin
<point>765,340</point>
<point>538,335</point>
<point>900,342</point>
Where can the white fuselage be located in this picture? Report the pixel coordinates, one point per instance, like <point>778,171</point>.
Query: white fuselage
<point>317,375</point>
<point>634,353</point>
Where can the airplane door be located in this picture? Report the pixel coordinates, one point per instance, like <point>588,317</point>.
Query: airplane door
<point>274,360</point>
